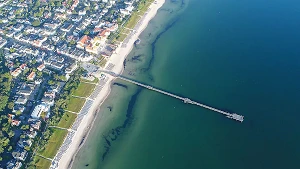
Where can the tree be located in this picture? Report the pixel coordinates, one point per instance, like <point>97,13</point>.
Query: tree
<point>18,113</point>
<point>9,148</point>
<point>86,32</point>
<point>12,50</point>
<point>10,134</point>
<point>33,61</point>
<point>51,82</point>
<point>10,105</point>
<point>25,127</point>
<point>27,148</point>
<point>36,23</point>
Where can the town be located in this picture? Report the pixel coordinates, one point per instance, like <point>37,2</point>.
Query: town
<point>43,45</point>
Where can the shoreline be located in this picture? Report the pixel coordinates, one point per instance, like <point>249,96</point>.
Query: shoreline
<point>117,60</point>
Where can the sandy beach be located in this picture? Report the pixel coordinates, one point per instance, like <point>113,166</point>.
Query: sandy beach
<point>114,64</point>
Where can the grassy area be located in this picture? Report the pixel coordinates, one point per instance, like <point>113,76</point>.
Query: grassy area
<point>134,18</point>
<point>143,6</point>
<point>75,104</point>
<point>67,120</point>
<point>40,163</point>
<point>54,143</point>
<point>96,80</point>
<point>102,63</point>
<point>121,37</point>
<point>84,89</point>
<point>126,31</point>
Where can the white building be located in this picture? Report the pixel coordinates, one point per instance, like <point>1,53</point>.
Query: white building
<point>36,113</point>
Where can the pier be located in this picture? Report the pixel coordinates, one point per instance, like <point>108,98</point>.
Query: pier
<point>233,116</point>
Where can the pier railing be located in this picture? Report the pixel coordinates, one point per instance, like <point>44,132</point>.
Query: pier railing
<point>234,116</point>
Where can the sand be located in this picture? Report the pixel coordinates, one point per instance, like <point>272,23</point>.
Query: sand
<point>117,60</point>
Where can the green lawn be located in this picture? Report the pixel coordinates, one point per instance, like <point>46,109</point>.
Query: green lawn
<point>84,89</point>
<point>143,6</point>
<point>75,104</point>
<point>134,18</point>
<point>54,143</point>
<point>121,37</point>
<point>40,163</point>
<point>103,62</point>
<point>96,80</point>
<point>125,31</point>
<point>67,120</point>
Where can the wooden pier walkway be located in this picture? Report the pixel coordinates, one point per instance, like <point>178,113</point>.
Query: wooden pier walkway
<point>234,116</point>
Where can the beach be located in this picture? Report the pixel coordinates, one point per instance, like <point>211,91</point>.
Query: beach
<point>114,64</point>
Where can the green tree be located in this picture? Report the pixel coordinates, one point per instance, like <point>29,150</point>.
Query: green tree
<point>18,113</point>
<point>25,127</point>
<point>10,134</point>
<point>36,23</point>
<point>10,105</point>
<point>12,50</point>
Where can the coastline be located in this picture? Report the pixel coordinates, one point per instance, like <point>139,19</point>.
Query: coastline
<point>117,60</point>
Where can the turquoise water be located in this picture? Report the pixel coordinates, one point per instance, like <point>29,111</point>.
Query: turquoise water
<point>239,56</point>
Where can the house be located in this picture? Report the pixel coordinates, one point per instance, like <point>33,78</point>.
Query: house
<point>18,107</point>
<point>19,154</point>
<point>41,67</point>
<point>24,143</point>
<point>21,100</point>
<point>18,27</point>
<point>48,100</point>
<point>57,66</point>
<point>25,90</point>
<point>31,76</point>
<point>81,12</point>
<point>84,41</point>
<point>55,88</point>
<point>31,133</point>
<point>13,164</point>
<point>67,27</point>
<point>16,72</point>
<point>35,124</point>
<point>23,66</point>
<point>49,94</point>
<point>15,122</point>
<point>11,116</point>
<point>36,113</point>
<point>3,42</point>
<point>38,81</point>
<point>71,68</point>
<point>60,59</point>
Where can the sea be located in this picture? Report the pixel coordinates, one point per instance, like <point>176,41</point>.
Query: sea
<point>239,56</point>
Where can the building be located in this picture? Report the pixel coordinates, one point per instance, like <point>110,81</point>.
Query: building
<point>13,164</point>
<point>71,68</point>
<point>18,107</point>
<point>19,154</point>
<point>48,100</point>
<point>16,72</point>
<point>41,67</point>
<point>21,100</point>
<point>3,42</point>
<point>57,66</point>
<point>36,113</point>
<point>35,124</point>
<point>31,133</point>
<point>25,90</point>
<point>15,122</point>
<point>83,42</point>
<point>24,143</point>
<point>31,76</point>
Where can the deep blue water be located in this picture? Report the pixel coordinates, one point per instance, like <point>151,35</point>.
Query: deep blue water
<point>237,55</point>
